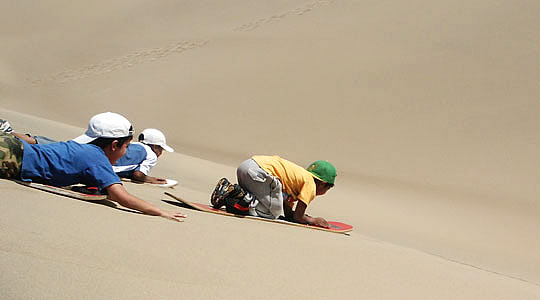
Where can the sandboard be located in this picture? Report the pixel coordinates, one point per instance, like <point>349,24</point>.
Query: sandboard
<point>336,227</point>
<point>170,182</point>
<point>64,191</point>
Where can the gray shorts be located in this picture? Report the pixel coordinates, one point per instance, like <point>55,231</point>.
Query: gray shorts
<point>266,189</point>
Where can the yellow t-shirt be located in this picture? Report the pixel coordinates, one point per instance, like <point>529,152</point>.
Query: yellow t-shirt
<point>297,182</point>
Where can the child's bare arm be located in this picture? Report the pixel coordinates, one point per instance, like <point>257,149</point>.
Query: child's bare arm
<point>301,217</point>
<point>118,193</point>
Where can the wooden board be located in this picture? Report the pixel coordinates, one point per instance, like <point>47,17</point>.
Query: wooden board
<point>64,191</point>
<point>170,182</point>
<point>336,227</point>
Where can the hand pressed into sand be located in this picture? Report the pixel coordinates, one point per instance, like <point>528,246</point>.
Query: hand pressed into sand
<point>175,216</point>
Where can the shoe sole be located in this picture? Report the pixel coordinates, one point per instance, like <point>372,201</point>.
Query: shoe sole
<point>218,196</point>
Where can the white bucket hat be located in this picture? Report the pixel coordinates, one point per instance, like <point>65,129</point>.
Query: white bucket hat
<point>153,136</point>
<point>106,125</point>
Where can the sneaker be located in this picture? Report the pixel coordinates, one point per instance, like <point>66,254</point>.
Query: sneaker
<point>237,205</point>
<point>223,189</point>
<point>5,127</point>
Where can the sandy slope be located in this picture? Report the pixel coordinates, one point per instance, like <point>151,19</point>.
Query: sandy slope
<point>55,247</point>
<point>429,110</point>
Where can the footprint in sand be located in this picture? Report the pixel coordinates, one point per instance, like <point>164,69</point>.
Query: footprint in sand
<point>118,63</point>
<point>141,56</point>
<point>275,18</point>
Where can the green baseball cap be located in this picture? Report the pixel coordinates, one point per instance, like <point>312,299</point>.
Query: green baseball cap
<point>323,170</point>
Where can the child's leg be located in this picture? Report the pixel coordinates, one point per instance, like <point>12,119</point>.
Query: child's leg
<point>11,155</point>
<point>27,138</point>
<point>266,190</point>
<point>37,139</point>
<point>43,140</point>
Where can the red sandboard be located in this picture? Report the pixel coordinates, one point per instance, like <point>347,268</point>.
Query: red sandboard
<point>336,227</point>
<point>64,191</point>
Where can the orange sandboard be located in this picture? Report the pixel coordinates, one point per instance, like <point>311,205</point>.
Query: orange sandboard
<point>336,227</point>
<point>64,191</point>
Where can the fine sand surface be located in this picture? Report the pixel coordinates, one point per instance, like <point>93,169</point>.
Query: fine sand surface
<point>428,109</point>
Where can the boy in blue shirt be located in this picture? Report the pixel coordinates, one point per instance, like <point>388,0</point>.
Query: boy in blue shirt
<point>87,159</point>
<point>142,156</point>
<point>139,159</point>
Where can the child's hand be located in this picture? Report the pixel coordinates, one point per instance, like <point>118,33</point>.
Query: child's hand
<point>159,180</point>
<point>174,216</point>
<point>320,222</point>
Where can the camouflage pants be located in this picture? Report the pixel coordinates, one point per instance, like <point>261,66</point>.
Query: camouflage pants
<point>11,155</point>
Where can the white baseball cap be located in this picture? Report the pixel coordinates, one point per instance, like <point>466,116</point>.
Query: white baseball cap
<point>153,136</point>
<point>106,125</point>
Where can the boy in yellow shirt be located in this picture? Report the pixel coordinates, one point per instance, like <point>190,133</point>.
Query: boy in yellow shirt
<point>268,186</point>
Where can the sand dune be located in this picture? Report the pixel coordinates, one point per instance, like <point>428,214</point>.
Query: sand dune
<point>429,111</point>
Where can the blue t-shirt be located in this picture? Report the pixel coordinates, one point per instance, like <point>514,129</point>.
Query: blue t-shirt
<point>138,157</point>
<point>67,163</point>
